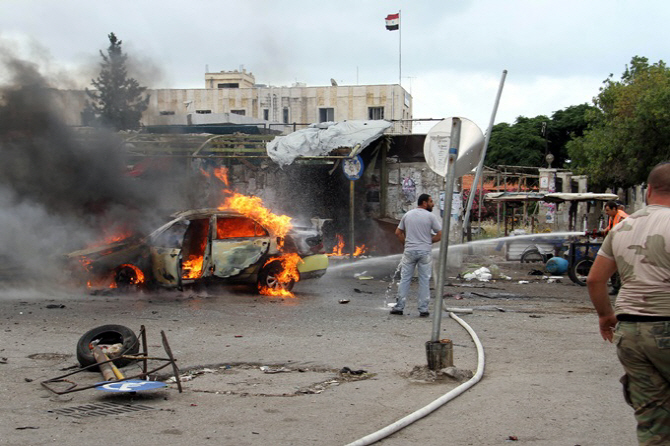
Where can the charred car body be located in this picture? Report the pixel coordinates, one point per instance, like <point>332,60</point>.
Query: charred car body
<point>206,245</point>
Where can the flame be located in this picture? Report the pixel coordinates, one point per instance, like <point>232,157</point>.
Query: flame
<point>109,280</point>
<point>360,250</point>
<point>252,207</point>
<point>192,267</point>
<point>338,250</point>
<point>222,174</point>
<point>289,263</point>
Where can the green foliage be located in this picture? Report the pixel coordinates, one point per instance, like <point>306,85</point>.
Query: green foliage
<point>629,131</point>
<point>117,100</point>
<point>528,140</point>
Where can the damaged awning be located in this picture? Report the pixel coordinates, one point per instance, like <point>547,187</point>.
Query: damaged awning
<point>321,139</point>
<point>554,197</point>
<point>559,197</point>
<point>514,196</point>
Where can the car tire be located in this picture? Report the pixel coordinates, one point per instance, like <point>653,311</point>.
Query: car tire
<point>532,256</point>
<point>268,277</point>
<point>125,278</point>
<point>580,270</point>
<point>107,334</point>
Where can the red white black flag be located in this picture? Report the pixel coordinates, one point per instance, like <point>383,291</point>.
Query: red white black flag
<point>393,21</point>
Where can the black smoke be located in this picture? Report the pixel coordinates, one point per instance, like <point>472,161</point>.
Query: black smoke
<point>62,187</point>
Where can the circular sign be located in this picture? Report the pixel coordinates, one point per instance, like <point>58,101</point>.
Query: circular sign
<point>130,385</point>
<point>438,143</point>
<point>353,167</point>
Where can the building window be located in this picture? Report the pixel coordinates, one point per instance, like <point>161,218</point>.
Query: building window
<point>203,112</point>
<point>266,114</point>
<point>326,114</point>
<point>375,113</point>
<point>229,85</point>
<point>285,116</point>
<point>163,113</point>
<point>239,112</point>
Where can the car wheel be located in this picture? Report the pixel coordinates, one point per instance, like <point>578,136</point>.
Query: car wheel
<point>125,278</point>
<point>532,255</point>
<point>107,334</point>
<point>269,278</point>
<point>580,271</point>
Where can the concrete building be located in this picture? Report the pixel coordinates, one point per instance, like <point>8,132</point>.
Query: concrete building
<point>235,97</point>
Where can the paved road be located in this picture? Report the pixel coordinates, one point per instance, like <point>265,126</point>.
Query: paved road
<point>549,378</point>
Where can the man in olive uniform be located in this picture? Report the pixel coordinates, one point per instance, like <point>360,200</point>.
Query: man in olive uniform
<point>639,323</point>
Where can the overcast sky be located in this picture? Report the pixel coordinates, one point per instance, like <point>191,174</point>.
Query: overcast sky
<point>557,53</point>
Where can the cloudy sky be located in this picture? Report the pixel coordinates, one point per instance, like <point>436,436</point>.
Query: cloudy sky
<point>453,51</point>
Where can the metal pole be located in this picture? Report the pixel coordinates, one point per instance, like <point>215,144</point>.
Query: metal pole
<point>351,219</point>
<point>446,220</point>
<point>480,167</point>
<point>399,50</point>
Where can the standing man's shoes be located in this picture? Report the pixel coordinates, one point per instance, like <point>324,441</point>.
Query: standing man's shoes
<point>398,312</point>
<point>424,314</point>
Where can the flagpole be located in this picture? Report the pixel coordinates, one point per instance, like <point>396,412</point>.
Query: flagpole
<point>399,50</point>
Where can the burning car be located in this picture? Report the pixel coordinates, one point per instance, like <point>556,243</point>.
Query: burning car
<point>209,245</point>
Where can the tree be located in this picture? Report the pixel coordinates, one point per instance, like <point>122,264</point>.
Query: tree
<point>117,100</point>
<point>528,140</point>
<point>629,130</point>
<point>521,144</point>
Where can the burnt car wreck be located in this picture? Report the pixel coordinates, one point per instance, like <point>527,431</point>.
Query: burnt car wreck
<point>207,245</point>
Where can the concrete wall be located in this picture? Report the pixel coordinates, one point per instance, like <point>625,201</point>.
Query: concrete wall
<point>302,103</point>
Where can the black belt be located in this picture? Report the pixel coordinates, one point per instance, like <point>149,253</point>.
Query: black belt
<point>639,318</point>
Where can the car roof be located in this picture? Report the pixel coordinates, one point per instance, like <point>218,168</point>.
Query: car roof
<point>206,212</point>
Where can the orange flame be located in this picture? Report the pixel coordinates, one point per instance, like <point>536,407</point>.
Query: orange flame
<point>252,207</point>
<point>338,250</point>
<point>289,263</point>
<point>360,250</point>
<point>192,267</point>
<point>222,174</point>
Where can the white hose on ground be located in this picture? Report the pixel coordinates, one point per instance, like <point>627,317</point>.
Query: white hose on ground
<point>411,418</point>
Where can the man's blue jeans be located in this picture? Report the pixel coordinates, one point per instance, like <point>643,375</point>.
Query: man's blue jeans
<point>422,260</point>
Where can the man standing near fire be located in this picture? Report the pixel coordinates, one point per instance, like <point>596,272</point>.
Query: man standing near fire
<point>418,230</point>
<point>639,323</point>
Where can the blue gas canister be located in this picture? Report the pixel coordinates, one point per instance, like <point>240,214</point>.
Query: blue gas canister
<point>557,265</point>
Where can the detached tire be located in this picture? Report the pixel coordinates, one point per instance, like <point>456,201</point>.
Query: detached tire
<point>107,334</point>
<point>580,271</point>
<point>269,278</point>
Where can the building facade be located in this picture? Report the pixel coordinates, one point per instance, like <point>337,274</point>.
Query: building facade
<point>234,96</point>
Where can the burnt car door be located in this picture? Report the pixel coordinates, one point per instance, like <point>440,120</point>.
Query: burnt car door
<point>180,252</point>
<point>238,243</point>
<point>165,250</point>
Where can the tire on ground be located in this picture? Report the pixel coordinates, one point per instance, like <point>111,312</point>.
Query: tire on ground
<point>580,270</point>
<point>107,334</point>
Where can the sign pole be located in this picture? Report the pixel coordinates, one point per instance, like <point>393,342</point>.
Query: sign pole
<point>446,220</point>
<point>480,166</point>
<point>351,219</point>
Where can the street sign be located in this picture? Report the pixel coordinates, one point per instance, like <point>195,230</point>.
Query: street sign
<point>130,385</point>
<point>353,167</point>
<point>438,142</point>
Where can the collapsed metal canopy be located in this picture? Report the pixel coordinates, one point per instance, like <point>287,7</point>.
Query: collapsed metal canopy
<point>554,197</point>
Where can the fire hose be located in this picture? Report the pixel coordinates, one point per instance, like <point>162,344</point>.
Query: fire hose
<point>411,418</point>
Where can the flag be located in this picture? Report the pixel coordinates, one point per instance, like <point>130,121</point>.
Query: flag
<point>393,21</point>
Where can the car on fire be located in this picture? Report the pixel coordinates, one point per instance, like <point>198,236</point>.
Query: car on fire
<point>207,245</point>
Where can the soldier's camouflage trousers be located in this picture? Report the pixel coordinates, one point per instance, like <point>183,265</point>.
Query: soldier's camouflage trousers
<point>644,351</point>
